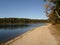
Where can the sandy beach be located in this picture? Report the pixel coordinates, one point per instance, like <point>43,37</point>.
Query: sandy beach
<point>37,36</point>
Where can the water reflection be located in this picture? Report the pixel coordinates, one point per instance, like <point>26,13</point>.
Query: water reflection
<point>14,26</point>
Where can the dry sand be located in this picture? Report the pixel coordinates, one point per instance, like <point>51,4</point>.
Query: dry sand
<point>38,36</point>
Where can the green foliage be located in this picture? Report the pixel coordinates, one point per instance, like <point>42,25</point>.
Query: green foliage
<point>19,20</point>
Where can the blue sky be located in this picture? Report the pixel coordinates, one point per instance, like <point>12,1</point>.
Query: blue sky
<point>22,9</point>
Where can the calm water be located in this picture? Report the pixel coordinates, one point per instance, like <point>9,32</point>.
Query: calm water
<point>7,33</point>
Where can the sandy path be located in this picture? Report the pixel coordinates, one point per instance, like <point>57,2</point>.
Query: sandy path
<point>39,36</point>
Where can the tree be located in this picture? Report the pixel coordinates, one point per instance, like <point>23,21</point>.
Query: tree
<point>52,10</point>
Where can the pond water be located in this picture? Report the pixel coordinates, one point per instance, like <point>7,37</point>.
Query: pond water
<point>7,33</point>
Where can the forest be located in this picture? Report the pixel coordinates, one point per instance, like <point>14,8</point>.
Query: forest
<point>20,21</point>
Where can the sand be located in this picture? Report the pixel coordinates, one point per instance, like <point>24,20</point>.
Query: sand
<point>38,36</point>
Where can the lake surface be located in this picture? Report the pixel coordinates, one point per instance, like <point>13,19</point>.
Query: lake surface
<point>7,33</point>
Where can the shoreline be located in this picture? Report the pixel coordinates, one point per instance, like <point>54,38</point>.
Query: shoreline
<point>50,40</point>
<point>20,36</point>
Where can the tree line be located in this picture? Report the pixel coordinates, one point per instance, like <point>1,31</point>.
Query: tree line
<point>20,20</point>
